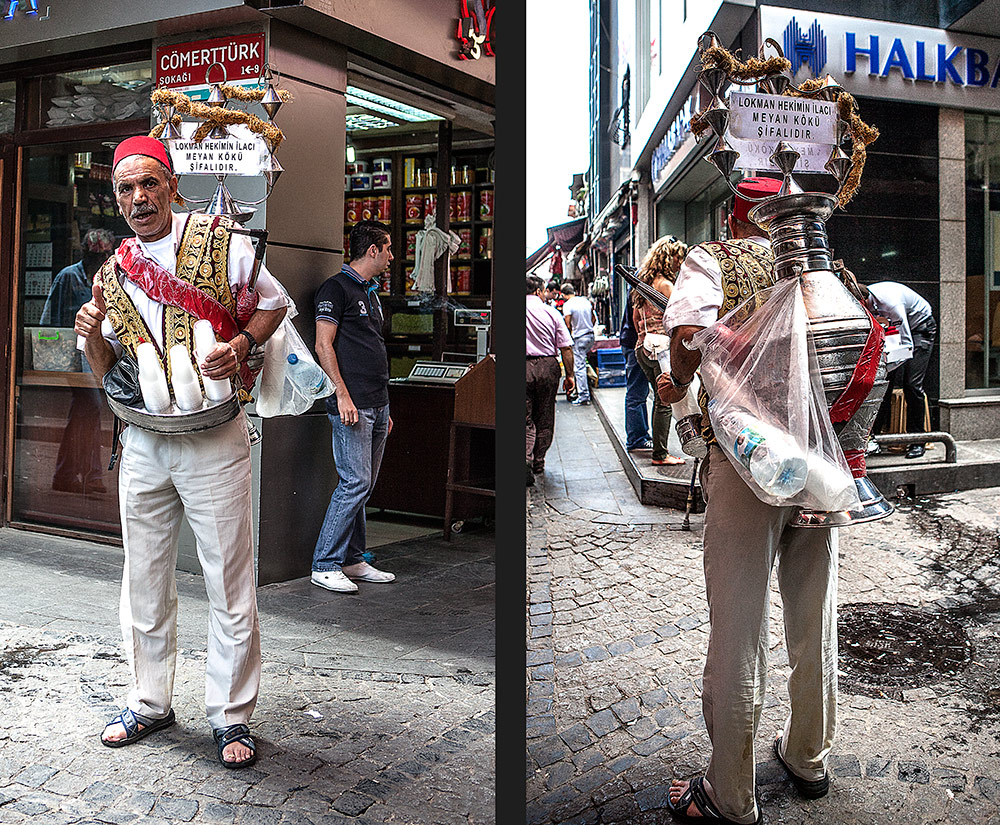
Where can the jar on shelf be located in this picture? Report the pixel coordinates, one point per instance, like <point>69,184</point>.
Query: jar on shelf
<point>361,181</point>
<point>414,208</point>
<point>383,208</point>
<point>352,208</point>
<point>461,279</point>
<point>367,208</point>
<point>486,242</point>
<point>430,204</point>
<point>461,206</point>
<point>486,204</point>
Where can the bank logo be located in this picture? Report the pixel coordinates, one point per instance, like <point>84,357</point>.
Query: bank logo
<point>808,48</point>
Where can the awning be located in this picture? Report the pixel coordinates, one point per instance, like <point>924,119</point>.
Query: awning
<point>566,235</point>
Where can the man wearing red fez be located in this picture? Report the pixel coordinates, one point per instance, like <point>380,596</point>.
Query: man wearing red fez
<point>180,268</point>
<point>743,539</point>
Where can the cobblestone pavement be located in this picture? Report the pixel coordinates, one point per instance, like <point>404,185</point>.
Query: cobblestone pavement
<point>373,709</point>
<point>617,631</point>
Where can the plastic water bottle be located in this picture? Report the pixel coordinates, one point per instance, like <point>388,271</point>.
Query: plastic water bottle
<point>308,378</point>
<point>772,458</point>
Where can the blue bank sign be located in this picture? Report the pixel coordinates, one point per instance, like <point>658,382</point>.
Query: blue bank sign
<point>874,58</point>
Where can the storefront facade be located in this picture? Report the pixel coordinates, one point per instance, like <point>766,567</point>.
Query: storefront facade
<point>921,216</point>
<point>74,81</point>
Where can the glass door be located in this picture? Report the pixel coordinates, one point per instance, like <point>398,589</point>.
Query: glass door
<point>63,428</point>
<point>982,291</point>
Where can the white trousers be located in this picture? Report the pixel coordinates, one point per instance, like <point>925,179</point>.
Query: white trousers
<point>743,539</point>
<point>204,476</point>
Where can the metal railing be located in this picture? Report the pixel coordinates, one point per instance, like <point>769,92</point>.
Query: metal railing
<point>950,450</point>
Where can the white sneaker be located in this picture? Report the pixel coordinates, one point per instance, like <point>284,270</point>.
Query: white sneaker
<point>364,572</point>
<point>333,580</point>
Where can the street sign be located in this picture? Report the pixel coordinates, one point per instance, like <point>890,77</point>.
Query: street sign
<point>242,153</point>
<point>192,67</point>
<point>758,122</point>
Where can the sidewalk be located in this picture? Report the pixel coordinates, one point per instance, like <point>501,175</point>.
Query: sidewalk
<point>977,465</point>
<point>617,632</point>
<point>373,708</point>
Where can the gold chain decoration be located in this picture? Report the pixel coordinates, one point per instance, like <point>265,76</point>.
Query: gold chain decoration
<point>752,69</point>
<point>212,116</point>
<point>756,69</point>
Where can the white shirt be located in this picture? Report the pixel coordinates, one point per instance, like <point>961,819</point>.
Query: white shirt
<point>164,252</point>
<point>901,305</point>
<point>581,314</point>
<point>697,295</point>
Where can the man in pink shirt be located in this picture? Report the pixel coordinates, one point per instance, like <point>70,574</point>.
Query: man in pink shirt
<point>545,336</point>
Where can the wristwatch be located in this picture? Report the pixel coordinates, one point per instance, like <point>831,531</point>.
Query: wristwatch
<point>250,339</point>
<point>678,385</point>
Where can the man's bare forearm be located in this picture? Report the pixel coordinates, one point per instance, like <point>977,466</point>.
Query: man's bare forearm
<point>261,326</point>
<point>567,359</point>
<point>684,362</point>
<point>327,357</point>
<point>100,355</point>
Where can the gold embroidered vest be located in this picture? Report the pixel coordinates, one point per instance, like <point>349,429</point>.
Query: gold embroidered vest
<point>202,260</point>
<point>747,270</point>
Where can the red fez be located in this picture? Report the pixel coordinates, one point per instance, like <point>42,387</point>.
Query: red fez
<point>142,145</point>
<point>752,188</point>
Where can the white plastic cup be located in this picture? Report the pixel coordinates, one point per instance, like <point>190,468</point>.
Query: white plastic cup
<point>663,359</point>
<point>204,342</point>
<point>152,381</point>
<point>187,393</point>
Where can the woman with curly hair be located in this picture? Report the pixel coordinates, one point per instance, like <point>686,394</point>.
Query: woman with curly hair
<point>658,269</point>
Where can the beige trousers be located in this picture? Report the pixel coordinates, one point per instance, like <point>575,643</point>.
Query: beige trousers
<point>205,477</point>
<point>743,539</point>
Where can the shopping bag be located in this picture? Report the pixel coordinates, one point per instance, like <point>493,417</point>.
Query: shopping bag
<point>278,394</point>
<point>767,405</point>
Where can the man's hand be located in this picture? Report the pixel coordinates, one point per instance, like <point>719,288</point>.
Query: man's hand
<point>667,392</point>
<point>389,431</point>
<point>569,383</point>
<point>345,406</point>
<point>92,313</point>
<point>222,362</point>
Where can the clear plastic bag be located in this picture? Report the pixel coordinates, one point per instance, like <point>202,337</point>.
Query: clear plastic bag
<point>278,393</point>
<point>767,406</point>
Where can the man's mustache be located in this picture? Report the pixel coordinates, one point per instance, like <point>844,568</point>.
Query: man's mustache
<point>141,211</point>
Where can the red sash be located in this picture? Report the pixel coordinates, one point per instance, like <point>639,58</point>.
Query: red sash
<point>162,286</point>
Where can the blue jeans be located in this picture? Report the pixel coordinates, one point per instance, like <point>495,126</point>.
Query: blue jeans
<point>581,346</point>
<point>357,453</point>
<point>636,391</point>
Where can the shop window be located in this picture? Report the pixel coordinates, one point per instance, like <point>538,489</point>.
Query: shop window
<point>982,252</point>
<point>62,438</point>
<point>101,95</point>
<point>6,108</point>
<point>392,176</point>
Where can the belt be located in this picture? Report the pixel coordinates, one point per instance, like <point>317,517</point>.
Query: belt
<point>536,357</point>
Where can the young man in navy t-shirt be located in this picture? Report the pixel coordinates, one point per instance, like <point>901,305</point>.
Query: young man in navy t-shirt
<point>351,349</point>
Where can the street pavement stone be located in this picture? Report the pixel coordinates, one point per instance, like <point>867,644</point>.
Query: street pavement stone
<point>631,662</point>
<point>378,709</point>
